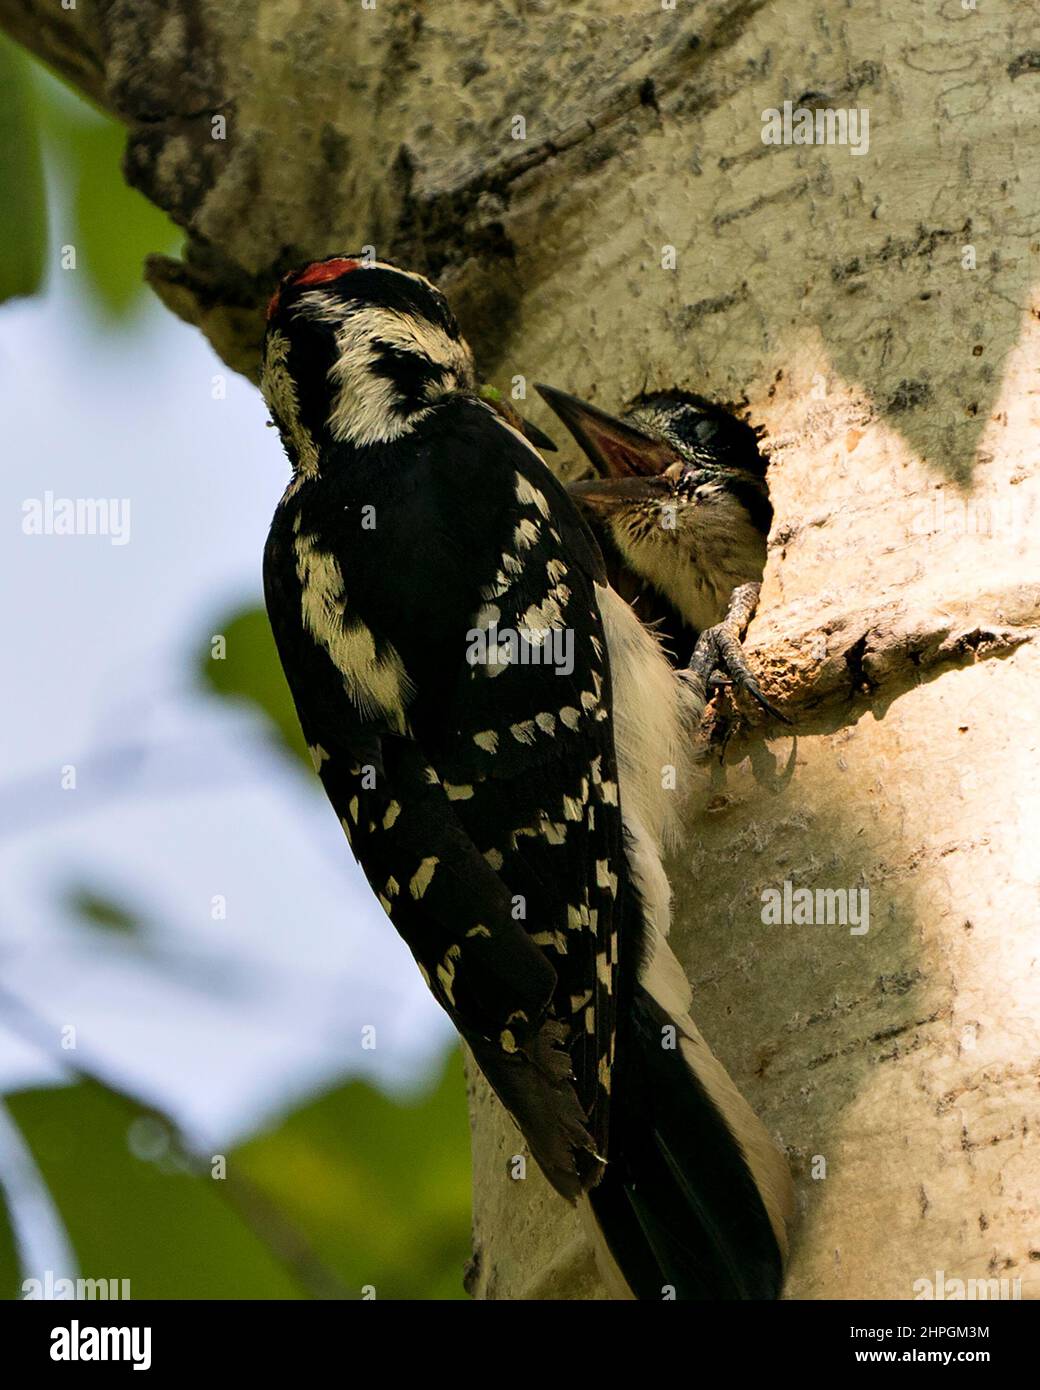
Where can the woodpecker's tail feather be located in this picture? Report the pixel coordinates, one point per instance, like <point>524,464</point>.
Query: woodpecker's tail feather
<point>695,1201</point>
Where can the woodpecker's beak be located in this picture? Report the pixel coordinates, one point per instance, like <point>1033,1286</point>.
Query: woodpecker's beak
<point>494,398</point>
<point>614,448</point>
<point>538,437</point>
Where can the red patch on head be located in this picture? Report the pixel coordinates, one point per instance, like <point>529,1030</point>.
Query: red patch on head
<point>319,273</point>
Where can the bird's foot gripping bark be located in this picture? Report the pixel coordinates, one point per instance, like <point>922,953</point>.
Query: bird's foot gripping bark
<point>718,659</point>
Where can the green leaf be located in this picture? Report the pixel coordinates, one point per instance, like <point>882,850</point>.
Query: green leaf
<point>146,1219</point>
<point>23,207</point>
<point>380,1189</point>
<point>247,668</point>
<point>10,1265</point>
<point>102,912</point>
<point>111,227</point>
<point>352,1190</point>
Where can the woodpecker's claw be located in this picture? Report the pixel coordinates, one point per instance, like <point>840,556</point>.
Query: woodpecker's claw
<point>718,649</point>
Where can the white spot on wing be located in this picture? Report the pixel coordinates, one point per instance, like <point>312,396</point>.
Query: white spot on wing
<point>529,495</point>
<point>542,615</point>
<point>525,535</point>
<point>458,791</point>
<point>446,972</point>
<point>604,877</point>
<point>422,877</point>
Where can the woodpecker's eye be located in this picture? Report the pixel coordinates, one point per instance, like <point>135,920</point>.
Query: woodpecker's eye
<point>319,273</point>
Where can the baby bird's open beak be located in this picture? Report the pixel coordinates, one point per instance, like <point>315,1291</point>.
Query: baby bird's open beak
<point>615,448</point>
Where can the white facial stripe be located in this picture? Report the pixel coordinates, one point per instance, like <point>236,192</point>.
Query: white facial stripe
<point>279,392</point>
<point>364,411</point>
<point>396,270</point>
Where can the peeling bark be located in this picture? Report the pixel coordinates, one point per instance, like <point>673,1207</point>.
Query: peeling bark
<point>831,294</point>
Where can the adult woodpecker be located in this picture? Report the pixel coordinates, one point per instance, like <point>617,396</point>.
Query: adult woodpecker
<point>507,808</point>
<point>681,510</point>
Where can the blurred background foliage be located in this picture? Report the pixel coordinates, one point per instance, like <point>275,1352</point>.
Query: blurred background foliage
<point>52,134</point>
<point>353,1189</point>
<point>251,672</point>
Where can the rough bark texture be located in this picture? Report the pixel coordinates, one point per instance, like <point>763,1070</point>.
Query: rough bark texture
<point>899,394</point>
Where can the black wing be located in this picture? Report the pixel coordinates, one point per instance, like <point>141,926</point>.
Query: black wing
<point>479,796</point>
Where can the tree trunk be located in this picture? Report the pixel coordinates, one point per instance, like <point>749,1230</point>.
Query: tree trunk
<point>548,165</point>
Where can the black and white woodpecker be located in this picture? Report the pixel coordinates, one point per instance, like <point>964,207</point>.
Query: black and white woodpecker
<point>509,812</point>
<point>680,507</point>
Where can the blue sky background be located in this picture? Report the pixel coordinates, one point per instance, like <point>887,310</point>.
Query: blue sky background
<point>179,796</point>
